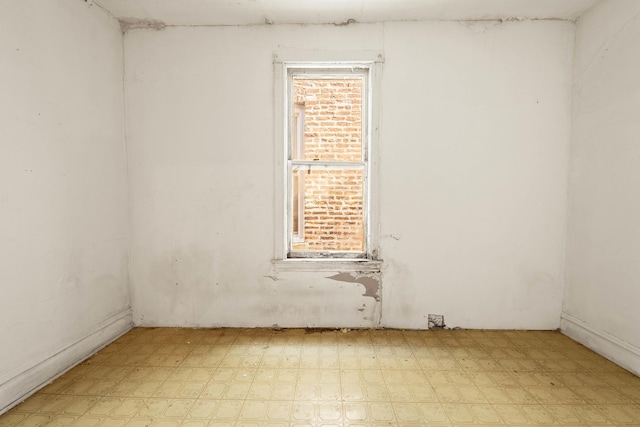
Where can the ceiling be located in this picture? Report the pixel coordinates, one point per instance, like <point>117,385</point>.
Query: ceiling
<point>248,12</point>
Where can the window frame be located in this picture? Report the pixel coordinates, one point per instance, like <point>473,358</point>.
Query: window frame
<point>371,66</point>
<point>297,236</point>
<point>345,72</point>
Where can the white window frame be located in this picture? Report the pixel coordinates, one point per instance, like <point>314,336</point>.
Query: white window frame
<point>371,62</point>
<point>299,236</point>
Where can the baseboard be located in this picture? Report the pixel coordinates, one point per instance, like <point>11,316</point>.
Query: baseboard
<point>17,386</point>
<point>618,351</point>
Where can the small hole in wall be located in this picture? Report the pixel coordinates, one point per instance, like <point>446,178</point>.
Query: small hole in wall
<point>436,321</point>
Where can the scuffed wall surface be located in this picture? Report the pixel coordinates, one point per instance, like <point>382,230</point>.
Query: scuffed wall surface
<point>475,132</point>
<point>63,196</point>
<point>603,251</point>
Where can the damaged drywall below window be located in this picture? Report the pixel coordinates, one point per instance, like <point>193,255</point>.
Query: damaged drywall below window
<point>370,281</point>
<point>372,286</point>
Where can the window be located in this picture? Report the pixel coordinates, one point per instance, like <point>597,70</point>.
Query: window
<point>325,147</point>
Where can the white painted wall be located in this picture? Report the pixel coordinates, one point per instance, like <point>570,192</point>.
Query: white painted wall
<point>63,196</point>
<point>475,132</point>
<point>602,297</point>
<point>475,141</point>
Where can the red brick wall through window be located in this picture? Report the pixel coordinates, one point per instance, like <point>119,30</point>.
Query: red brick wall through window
<point>333,199</point>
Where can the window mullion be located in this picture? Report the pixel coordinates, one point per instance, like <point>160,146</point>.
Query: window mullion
<point>289,206</point>
<point>311,165</point>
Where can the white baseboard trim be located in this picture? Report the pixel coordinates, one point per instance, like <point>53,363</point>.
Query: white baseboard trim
<point>618,351</point>
<point>17,386</point>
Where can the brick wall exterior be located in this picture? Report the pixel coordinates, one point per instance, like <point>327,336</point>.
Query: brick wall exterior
<point>333,199</point>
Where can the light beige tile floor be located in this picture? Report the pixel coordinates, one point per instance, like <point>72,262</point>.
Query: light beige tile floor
<point>262,377</point>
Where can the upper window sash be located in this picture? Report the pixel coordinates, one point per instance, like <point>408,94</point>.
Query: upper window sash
<point>335,71</point>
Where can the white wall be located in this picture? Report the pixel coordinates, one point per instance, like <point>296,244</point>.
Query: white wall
<point>63,196</point>
<point>475,139</point>
<point>602,298</point>
<point>200,129</point>
<point>475,133</point>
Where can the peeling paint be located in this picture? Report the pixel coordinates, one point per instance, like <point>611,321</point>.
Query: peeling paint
<point>127,24</point>
<point>370,281</point>
<point>345,23</point>
<point>481,26</point>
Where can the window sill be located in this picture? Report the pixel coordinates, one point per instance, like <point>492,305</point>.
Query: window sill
<point>338,265</point>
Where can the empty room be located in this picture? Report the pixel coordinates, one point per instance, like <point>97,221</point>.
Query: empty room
<point>319,212</point>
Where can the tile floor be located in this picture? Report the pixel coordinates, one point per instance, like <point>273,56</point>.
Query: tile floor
<point>262,377</point>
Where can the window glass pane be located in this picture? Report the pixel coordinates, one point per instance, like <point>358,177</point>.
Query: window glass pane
<point>327,122</point>
<point>332,208</point>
